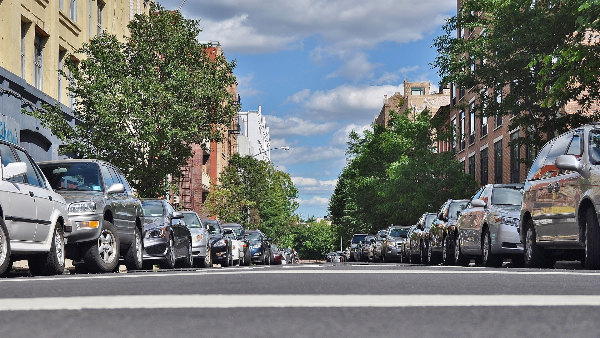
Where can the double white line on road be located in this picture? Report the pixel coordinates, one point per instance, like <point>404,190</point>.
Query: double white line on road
<point>295,301</point>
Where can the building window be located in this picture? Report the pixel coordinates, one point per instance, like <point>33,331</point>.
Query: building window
<point>454,130</point>
<point>60,5</point>
<point>483,166</point>
<point>417,91</point>
<point>99,18</point>
<point>472,123</point>
<point>73,10</point>
<point>462,130</point>
<point>23,33</point>
<point>38,61</point>
<point>498,115</point>
<point>515,158</point>
<point>61,57</point>
<point>498,162</point>
<point>472,166</point>
<point>484,126</point>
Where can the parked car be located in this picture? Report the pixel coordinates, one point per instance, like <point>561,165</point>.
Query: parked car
<point>220,245</point>
<point>105,217</point>
<point>276,254</point>
<point>167,240</point>
<point>441,236</point>
<point>200,239</point>
<point>260,247</point>
<point>290,256</point>
<point>405,248</point>
<point>487,227</point>
<point>561,201</point>
<point>34,219</point>
<point>242,244</point>
<point>419,238</point>
<point>378,245</point>
<point>354,249</point>
<point>334,257</point>
<point>394,240</point>
<point>366,248</point>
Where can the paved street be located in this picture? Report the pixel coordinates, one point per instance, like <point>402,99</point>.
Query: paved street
<point>318,300</point>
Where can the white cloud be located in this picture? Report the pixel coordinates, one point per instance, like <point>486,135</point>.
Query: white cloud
<point>341,136</point>
<point>298,97</point>
<point>314,201</point>
<point>308,155</point>
<point>258,26</point>
<point>356,103</point>
<point>296,126</point>
<point>356,67</point>
<point>245,88</point>
<point>314,186</point>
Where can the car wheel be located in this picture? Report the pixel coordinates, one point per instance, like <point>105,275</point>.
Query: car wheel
<point>459,258</point>
<point>206,261</point>
<point>248,258</point>
<point>169,262</point>
<point>430,258</point>
<point>487,257</point>
<point>450,248</point>
<point>52,262</point>
<point>102,255</point>
<point>225,263</point>
<point>534,255</point>
<point>4,249</point>
<point>188,262</point>
<point>135,253</point>
<point>517,261</point>
<point>592,240</point>
<point>423,253</point>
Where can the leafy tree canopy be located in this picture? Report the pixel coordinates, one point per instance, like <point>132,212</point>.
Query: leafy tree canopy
<point>141,103</point>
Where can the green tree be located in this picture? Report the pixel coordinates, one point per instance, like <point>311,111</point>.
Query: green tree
<point>315,239</point>
<point>255,194</point>
<point>141,103</point>
<point>393,176</point>
<point>500,56</point>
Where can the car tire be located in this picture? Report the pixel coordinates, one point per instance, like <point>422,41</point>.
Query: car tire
<point>188,261</point>
<point>170,260</point>
<point>134,258</point>
<point>430,258</point>
<point>459,258</point>
<point>448,250</point>
<point>592,240</point>
<point>52,262</point>
<point>488,258</point>
<point>423,253</point>
<point>102,254</point>
<point>225,263</point>
<point>517,261</point>
<point>206,261</point>
<point>534,256</point>
<point>247,258</point>
<point>5,262</point>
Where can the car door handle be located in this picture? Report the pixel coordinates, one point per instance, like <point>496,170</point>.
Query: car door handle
<point>31,193</point>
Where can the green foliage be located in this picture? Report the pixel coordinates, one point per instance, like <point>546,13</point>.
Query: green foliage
<point>314,240</point>
<point>393,177</point>
<point>255,194</point>
<point>516,56</point>
<point>142,102</point>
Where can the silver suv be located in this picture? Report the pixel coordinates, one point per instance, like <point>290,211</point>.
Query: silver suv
<point>559,215</point>
<point>33,217</point>
<point>105,215</point>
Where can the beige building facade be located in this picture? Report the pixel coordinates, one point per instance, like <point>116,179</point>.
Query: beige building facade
<point>36,37</point>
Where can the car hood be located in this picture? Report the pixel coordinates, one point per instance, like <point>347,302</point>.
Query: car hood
<point>82,196</point>
<point>513,211</point>
<point>197,231</point>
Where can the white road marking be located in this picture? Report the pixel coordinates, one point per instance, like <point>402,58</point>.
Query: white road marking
<point>297,301</point>
<point>261,270</point>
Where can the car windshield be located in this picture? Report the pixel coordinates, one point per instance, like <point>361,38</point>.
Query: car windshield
<point>152,208</point>
<point>82,176</point>
<point>357,238</point>
<point>507,196</point>
<point>213,226</point>
<point>253,236</point>
<point>191,220</point>
<point>454,208</point>
<point>237,230</point>
<point>429,220</point>
<point>398,233</point>
<point>594,146</point>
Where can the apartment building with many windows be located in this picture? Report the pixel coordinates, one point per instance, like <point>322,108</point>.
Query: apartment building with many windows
<point>35,38</point>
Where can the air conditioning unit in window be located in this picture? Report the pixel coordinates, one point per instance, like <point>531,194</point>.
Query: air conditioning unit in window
<point>175,199</point>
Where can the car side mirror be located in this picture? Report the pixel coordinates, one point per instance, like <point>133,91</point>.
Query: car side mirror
<point>478,203</point>
<point>14,169</point>
<point>117,188</point>
<point>568,162</point>
<point>176,215</point>
<point>227,231</point>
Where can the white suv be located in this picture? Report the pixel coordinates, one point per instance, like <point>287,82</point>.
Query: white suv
<point>33,217</point>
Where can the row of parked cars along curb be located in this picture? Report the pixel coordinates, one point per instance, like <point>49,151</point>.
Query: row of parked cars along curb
<point>552,216</point>
<point>86,211</point>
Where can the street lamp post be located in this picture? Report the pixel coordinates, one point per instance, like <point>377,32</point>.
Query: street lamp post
<point>264,151</point>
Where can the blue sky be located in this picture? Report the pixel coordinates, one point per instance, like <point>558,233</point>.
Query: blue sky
<point>320,69</point>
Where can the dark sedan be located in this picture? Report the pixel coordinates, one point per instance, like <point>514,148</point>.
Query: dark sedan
<point>166,238</point>
<point>220,245</point>
<point>260,248</point>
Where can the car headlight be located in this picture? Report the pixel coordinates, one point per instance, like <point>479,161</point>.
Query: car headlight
<point>199,238</point>
<point>220,242</point>
<point>156,233</point>
<point>255,246</point>
<point>510,221</point>
<point>82,207</point>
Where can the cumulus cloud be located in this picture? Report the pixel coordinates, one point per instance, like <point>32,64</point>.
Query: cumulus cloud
<point>314,201</point>
<point>245,88</point>
<point>298,97</point>
<point>313,185</point>
<point>341,137</point>
<point>297,126</point>
<point>356,67</point>
<point>258,26</point>
<point>305,154</point>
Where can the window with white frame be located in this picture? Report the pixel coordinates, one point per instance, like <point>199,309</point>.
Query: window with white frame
<point>99,17</point>
<point>38,61</point>
<point>472,123</point>
<point>73,10</point>
<point>23,33</point>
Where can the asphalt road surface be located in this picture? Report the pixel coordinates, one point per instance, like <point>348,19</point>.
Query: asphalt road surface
<point>311,300</point>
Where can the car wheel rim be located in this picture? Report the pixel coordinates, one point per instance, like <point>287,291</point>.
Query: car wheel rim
<point>59,247</point>
<point>456,249</point>
<point>486,250</point>
<point>528,253</point>
<point>107,246</point>
<point>444,250</point>
<point>171,252</point>
<point>138,247</point>
<point>190,256</point>
<point>3,246</point>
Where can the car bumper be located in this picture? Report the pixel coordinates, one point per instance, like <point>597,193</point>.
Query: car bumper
<point>80,232</point>
<point>199,250</point>
<point>393,253</point>
<point>507,240</point>
<point>155,247</point>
